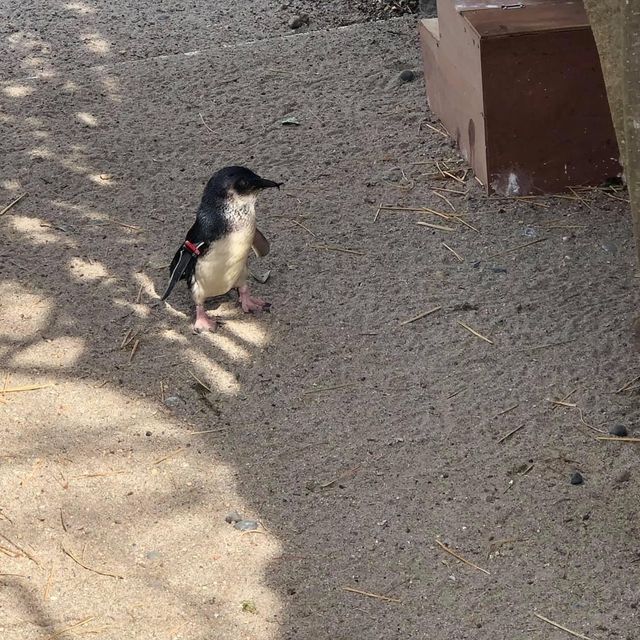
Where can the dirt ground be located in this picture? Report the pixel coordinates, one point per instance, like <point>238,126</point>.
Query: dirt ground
<point>356,439</point>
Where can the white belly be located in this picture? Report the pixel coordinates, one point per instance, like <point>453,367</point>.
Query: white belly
<point>224,266</point>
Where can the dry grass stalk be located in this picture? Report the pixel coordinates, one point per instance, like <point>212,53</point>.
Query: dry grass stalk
<point>561,403</point>
<point>202,384</point>
<point>515,406</point>
<point>581,199</point>
<point>455,393</point>
<point>508,435</point>
<point>445,216</point>
<point>439,227</point>
<point>550,344</point>
<point>84,566</point>
<point>329,247</point>
<point>139,296</point>
<point>23,551</point>
<point>424,314</point>
<point>13,204</point>
<point>586,424</point>
<point>47,587</point>
<point>441,195</point>
<point>66,630</point>
<point>136,344</point>
<point>332,388</point>
<point>465,223</point>
<point>444,547</point>
<point>29,387</point>
<point>442,133</point>
<point>564,398</point>
<point>628,384</point>
<point>575,634</point>
<point>475,333</point>
<point>618,438</point>
<point>169,455</point>
<point>368,594</point>
<point>456,178</point>
<point>455,253</point>
<point>302,226</point>
<point>522,246</point>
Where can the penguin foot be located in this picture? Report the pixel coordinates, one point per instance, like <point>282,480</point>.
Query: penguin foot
<point>203,321</point>
<point>250,304</point>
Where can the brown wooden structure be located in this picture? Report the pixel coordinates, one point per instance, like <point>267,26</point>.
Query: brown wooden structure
<point>520,89</point>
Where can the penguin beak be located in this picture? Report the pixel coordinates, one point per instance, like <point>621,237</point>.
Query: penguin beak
<point>267,184</point>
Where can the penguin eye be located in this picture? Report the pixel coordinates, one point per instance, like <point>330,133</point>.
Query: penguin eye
<point>242,185</point>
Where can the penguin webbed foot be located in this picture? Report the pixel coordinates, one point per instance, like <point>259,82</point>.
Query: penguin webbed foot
<point>203,322</point>
<point>250,304</point>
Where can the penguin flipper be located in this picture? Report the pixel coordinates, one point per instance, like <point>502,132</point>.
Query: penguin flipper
<point>182,265</point>
<point>260,244</point>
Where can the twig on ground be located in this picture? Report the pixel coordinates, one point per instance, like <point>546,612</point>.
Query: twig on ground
<point>575,634</point>
<point>444,547</point>
<point>368,594</point>
<point>13,204</point>
<point>424,314</point>
<point>475,333</point>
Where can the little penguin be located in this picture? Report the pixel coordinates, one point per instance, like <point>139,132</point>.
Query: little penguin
<point>213,257</point>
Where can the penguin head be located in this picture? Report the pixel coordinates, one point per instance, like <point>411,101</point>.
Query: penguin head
<point>236,183</point>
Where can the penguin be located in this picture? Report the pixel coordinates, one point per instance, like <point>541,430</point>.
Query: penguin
<point>213,257</point>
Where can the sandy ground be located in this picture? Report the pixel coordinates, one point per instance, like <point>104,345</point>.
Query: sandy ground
<point>355,439</point>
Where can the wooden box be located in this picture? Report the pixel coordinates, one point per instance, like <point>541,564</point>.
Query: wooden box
<point>520,89</point>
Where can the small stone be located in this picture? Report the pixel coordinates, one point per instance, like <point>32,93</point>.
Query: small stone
<point>246,525</point>
<point>576,478</point>
<point>407,75</point>
<point>298,21</point>
<point>528,232</point>
<point>152,555</point>
<point>148,433</point>
<point>624,476</point>
<point>619,430</point>
<point>172,401</point>
<point>232,517</point>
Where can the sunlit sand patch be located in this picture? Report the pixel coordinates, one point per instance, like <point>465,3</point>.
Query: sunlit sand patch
<point>173,336</point>
<point>26,315</point>
<point>36,230</point>
<point>249,330</point>
<point>146,285</point>
<point>17,90</point>
<point>82,270</point>
<point>79,7</point>
<point>228,346</point>
<point>139,310</point>
<point>95,43</point>
<point>41,152</point>
<point>10,185</point>
<point>212,373</point>
<point>59,353</point>
<point>87,118</point>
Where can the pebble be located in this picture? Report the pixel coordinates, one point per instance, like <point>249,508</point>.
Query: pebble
<point>624,476</point>
<point>148,433</point>
<point>172,401</point>
<point>528,232</point>
<point>298,21</point>
<point>407,75</point>
<point>576,478</point>
<point>619,430</point>
<point>232,517</point>
<point>246,525</point>
<point>152,555</point>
